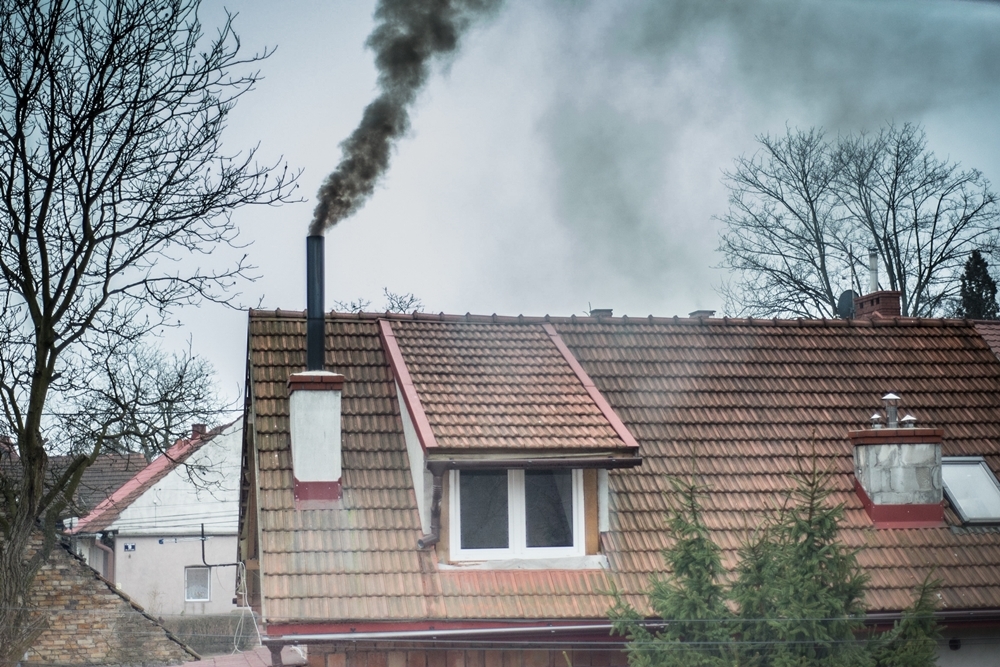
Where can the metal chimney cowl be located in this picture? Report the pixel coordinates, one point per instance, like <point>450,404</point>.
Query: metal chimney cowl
<point>314,406</point>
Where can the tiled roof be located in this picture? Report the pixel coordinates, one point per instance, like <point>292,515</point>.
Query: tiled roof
<point>99,480</point>
<point>747,401</point>
<point>990,331</point>
<point>103,477</point>
<point>495,386</point>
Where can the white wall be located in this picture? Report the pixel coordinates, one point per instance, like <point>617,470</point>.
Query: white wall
<point>978,647</point>
<point>153,574</point>
<point>205,489</point>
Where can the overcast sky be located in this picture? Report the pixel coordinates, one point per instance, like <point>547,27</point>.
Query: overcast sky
<point>571,153</point>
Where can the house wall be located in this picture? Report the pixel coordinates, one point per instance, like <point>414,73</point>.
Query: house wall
<point>153,574</point>
<point>976,646</point>
<point>203,490</point>
<point>90,624</point>
<point>431,656</point>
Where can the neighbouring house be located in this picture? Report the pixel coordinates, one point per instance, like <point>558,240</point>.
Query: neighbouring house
<point>89,622</point>
<point>465,490</point>
<point>167,535</point>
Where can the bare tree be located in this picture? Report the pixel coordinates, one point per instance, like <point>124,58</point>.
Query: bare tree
<point>783,236</point>
<point>923,216</point>
<point>804,211</point>
<point>143,400</point>
<point>112,179</point>
<point>394,303</point>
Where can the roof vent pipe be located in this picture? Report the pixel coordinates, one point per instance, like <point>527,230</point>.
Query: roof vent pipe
<point>315,335</point>
<point>872,271</point>
<point>891,410</point>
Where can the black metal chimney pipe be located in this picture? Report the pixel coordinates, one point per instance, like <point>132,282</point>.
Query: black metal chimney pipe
<point>315,334</point>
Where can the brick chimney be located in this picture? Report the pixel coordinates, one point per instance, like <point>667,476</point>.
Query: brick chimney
<point>314,399</point>
<point>877,303</point>
<point>897,470</point>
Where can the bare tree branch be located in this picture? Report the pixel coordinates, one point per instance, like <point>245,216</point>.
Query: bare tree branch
<point>112,177</point>
<point>801,204</point>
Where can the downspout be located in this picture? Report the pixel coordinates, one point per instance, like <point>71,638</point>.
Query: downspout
<point>109,559</point>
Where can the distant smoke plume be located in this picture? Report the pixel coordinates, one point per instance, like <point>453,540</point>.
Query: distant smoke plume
<point>408,34</point>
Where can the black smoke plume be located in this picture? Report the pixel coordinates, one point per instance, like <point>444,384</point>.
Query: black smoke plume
<point>407,35</point>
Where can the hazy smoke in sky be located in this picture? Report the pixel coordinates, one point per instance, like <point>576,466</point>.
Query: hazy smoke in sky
<point>408,34</point>
<point>650,100</point>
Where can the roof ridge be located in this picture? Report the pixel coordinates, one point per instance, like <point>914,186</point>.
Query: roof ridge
<point>470,318</point>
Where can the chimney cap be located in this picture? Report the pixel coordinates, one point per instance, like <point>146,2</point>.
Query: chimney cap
<point>876,420</point>
<point>701,313</point>
<point>890,397</point>
<point>601,312</point>
<point>909,421</point>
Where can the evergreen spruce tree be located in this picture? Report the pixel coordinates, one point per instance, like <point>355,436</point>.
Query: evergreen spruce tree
<point>799,589</point>
<point>797,592</point>
<point>690,599</point>
<point>979,290</point>
<point>912,642</point>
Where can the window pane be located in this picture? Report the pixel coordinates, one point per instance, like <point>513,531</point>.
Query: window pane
<point>548,500</point>
<point>971,487</point>
<point>196,583</point>
<point>483,501</point>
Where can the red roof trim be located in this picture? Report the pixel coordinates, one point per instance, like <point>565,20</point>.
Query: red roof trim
<point>316,495</point>
<point>896,436</point>
<point>588,384</point>
<point>108,511</point>
<point>901,516</point>
<point>287,629</point>
<point>420,422</point>
<point>322,381</point>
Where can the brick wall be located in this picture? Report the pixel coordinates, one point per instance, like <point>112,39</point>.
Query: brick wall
<point>359,656</point>
<point>91,624</point>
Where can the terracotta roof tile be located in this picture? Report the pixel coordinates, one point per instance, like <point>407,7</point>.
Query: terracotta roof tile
<point>748,401</point>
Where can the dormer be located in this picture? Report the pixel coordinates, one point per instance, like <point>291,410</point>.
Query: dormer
<point>509,441</point>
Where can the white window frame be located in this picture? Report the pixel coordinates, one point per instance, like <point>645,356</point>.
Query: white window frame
<point>208,578</point>
<point>516,524</point>
<point>969,460</point>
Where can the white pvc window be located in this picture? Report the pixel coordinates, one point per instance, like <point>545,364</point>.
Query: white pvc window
<point>972,488</point>
<point>197,584</point>
<point>504,514</point>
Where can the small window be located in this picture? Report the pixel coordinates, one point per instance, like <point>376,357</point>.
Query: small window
<point>972,488</point>
<point>502,514</point>
<point>197,584</point>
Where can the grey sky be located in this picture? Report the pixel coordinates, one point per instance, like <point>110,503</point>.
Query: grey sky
<point>572,152</point>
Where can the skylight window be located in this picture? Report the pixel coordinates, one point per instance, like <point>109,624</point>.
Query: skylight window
<point>972,488</point>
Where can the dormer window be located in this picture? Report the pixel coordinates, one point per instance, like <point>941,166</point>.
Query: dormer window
<point>516,514</point>
<point>972,488</point>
